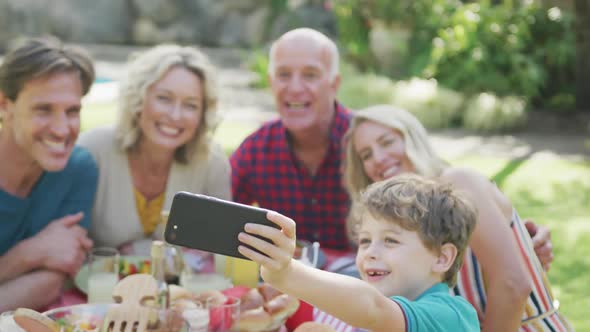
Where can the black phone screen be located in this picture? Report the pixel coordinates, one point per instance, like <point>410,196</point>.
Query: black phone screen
<point>210,224</point>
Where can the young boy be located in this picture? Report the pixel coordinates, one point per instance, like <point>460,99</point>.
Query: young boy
<point>412,236</point>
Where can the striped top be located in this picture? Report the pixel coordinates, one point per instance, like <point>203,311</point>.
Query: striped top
<point>335,323</point>
<point>541,308</point>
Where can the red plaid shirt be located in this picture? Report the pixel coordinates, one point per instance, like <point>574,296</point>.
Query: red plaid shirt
<point>266,171</point>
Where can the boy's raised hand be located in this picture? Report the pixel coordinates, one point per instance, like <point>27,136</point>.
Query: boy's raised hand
<point>275,257</point>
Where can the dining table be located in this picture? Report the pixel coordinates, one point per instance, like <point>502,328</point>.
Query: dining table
<point>334,260</point>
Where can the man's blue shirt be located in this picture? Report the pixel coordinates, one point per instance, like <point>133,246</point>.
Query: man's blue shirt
<point>55,195</point>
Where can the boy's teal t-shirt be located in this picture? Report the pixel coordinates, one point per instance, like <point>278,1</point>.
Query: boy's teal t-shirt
<point>55,195</point>
<point>437,310</point>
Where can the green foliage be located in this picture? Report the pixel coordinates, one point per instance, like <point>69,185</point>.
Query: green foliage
<point>231,133</point>
<point>98,114</point>
<point>486,112</point>
<point>555,48</point>
<point>433,105</point>
<point>353,29</point>
<point>258,63</point>
<point>487,44</point>
<point>360,91</point>
<point>509,47</point>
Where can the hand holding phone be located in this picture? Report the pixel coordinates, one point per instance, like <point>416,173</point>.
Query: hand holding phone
<point>210,224</point>
<point>273,248</point>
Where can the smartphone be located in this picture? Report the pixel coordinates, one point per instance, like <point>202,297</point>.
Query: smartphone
<point>210,224</point>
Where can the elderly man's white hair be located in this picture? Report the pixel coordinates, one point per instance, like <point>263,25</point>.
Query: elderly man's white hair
<point>311,34</point>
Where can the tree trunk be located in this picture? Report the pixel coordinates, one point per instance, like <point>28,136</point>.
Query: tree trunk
<point>583,55</point>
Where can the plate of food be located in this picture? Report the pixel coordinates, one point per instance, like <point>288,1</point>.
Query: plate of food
<point>263,308</point>
<point>128,265</point>
<point>79,318</point>
<point>91,318</point>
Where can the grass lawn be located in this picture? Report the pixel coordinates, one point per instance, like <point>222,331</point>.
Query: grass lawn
<point>94,115</point>
<point>546,188</point>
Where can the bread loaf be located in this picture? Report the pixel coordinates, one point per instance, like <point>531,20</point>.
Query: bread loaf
<point>281,307</point>
<point>254,320</point>
<point>265,308</point>
<point>251,300</point>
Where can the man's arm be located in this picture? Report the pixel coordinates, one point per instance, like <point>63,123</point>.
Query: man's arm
<point>349,299</point>
<point>19,260</point>
<point>34,290</point>
<point>60,246</point>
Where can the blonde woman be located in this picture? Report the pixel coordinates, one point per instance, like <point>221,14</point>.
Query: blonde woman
<point>160,145</point>
<point>501,275</point>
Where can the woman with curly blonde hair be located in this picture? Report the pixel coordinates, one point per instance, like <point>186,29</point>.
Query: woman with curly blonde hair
<point>160,145</point>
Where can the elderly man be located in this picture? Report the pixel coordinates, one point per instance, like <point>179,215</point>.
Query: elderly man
<point>292,165</point>
<point>47,184</point>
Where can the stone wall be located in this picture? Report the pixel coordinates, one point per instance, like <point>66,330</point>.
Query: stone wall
<point>231,23</point>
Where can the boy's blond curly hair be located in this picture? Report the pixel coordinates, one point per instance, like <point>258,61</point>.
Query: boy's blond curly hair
<point>437,212</point>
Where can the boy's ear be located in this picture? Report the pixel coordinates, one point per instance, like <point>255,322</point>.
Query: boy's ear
<point>446,257</point>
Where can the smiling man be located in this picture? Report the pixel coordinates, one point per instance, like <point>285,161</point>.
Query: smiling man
<point>292,165</point>
<point>47,184</point>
